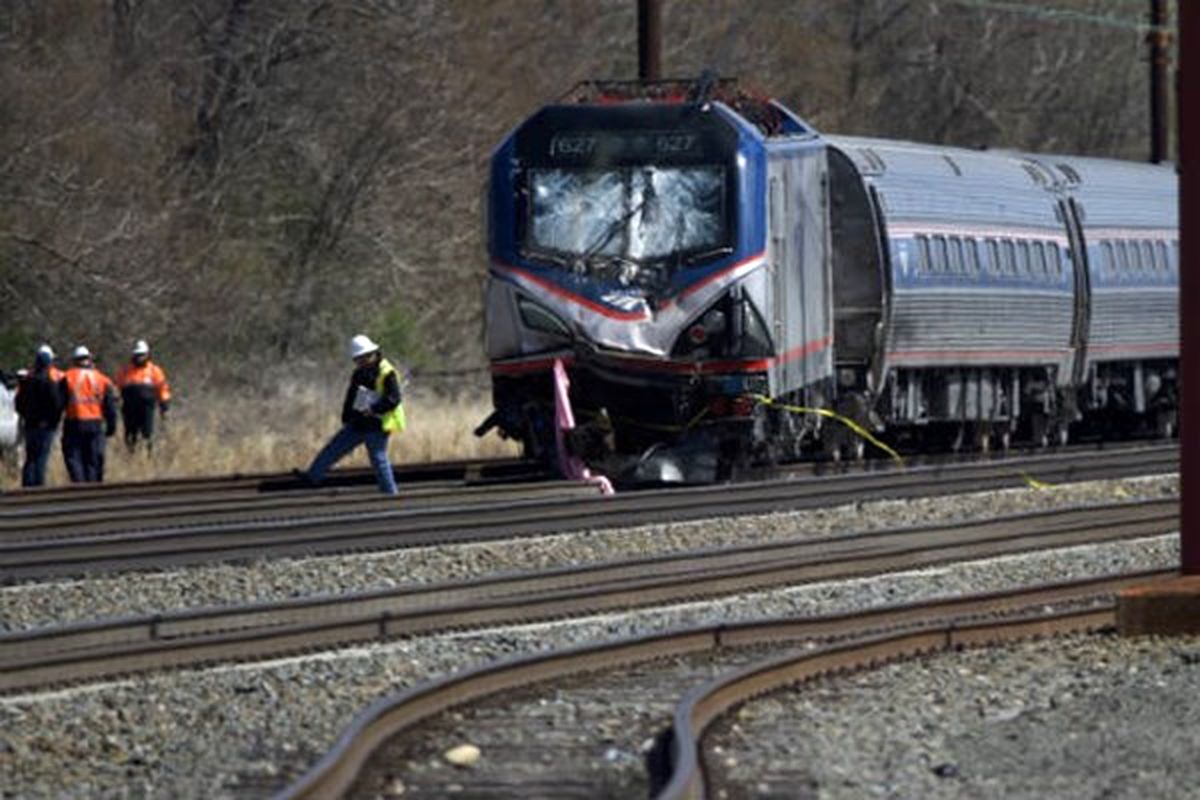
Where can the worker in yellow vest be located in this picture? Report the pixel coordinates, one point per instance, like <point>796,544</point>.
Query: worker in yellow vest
<point>372,411</point>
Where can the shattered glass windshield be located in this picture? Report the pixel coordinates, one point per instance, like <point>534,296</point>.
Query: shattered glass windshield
<point>639,213</point>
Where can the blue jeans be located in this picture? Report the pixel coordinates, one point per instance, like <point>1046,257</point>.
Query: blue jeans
<point>38,443</point>
<point>83,451</point>
<point>346,440</point>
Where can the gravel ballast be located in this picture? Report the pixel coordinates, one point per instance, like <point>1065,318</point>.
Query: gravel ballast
<point>240,730</point>
<point>1077,717</point>
<point>55,603</point>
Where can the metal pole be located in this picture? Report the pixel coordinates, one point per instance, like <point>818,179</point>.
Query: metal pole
<point>649,40</point>
<point>1189,280</point>
<point>1160,48</point>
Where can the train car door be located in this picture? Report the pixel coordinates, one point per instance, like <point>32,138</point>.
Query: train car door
<point>1072,216</point>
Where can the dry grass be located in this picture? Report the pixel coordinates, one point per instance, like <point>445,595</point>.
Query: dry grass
<point>222,435</point>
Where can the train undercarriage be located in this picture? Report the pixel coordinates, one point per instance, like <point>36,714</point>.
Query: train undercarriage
<point>640,428</point>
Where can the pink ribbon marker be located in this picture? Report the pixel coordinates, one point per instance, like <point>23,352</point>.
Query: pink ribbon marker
<point>564,420</point>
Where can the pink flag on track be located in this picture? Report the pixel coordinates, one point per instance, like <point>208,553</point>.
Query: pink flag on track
<point>564,420</point>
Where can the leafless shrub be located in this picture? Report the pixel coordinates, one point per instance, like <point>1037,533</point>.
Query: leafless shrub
<point>246,183</point>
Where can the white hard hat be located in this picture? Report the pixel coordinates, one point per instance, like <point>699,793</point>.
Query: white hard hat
<point>140,348</point>
<point>362,345</point>
<point>45,350</point>
<point>81,352</point>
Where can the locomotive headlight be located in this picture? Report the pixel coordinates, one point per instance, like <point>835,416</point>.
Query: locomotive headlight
<point>711,324</point>
<point>714,322</point>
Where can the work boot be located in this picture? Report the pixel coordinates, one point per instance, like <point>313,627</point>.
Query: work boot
<point>303,478</point>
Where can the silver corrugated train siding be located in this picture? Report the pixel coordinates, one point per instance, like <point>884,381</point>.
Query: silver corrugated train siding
<point>1133,323</point>
<point>981,328</point>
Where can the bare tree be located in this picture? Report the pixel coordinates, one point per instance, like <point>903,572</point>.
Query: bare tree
<point>248,180</point>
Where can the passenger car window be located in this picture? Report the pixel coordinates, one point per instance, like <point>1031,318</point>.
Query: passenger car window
<point>1007,259</point>
<point>1023,259</point>
<point>972,256</point>
<point>939,254</point>
<point>1055,260</point>
<point>956,254</point>
<point>1121,263</point>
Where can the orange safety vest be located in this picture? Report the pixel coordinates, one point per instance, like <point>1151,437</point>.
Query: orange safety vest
<point>148,374</point>
<point>86,388</point>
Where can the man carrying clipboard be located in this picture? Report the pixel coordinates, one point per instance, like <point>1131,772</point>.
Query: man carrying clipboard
<point>372,410</point>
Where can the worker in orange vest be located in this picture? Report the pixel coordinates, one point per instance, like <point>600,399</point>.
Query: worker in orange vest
<point>143,386</point>
<point>91,417</point>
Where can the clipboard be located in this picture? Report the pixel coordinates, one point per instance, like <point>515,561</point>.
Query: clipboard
<point>364,400</point>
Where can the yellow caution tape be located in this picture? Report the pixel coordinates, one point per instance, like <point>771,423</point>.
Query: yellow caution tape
<point>1031,481</point>
<point>1034,483</point>
<point>849,423</point>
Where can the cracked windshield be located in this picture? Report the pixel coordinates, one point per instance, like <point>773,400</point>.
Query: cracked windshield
<point>636,213</point>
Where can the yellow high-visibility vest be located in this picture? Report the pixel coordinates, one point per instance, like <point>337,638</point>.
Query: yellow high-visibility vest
<point>393,421</point>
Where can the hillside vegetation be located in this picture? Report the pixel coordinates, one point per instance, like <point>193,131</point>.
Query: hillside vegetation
<point>246,183</point>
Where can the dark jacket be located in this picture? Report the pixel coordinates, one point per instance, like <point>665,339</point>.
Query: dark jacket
<point>40,401</point>
<point>367,376</point>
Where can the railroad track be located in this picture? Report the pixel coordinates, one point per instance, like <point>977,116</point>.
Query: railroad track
<point>111,517</point>
<point>42,656</point>
<point>78,496</point>
<point>334,528</point>
<point>714,668</point>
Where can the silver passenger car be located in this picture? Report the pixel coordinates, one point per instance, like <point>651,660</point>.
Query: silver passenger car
<point>972,284</point>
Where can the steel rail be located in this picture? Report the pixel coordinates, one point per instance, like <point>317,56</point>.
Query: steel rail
<point>373,530</point>
<point>949,460</point>
<point>466,470</point>
<point>703,705</point>
<point>165,513</point>
<point>907,629</point>
<point>105,648</point>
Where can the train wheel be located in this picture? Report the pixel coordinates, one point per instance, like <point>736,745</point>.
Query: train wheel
<point>983,437</point>
<point>1040,428</point>
<point>1164,424</point>
<point>1005,440</point>
<point>1062,434</point>
<point>791,434</point>
<point>960,438</point>
<point>1049,433</point>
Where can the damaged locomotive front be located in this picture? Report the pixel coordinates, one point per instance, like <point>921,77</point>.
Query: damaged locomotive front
<point>627,238</point>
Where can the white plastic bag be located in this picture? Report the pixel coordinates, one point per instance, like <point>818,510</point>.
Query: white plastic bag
<point>8,418</point>
<point>364,399</point>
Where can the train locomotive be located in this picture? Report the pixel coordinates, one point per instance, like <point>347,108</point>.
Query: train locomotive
<point>727,287</point>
